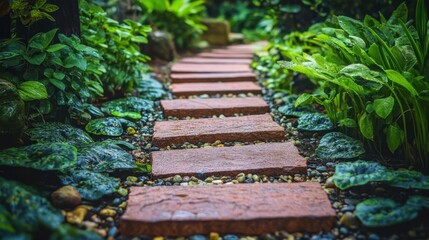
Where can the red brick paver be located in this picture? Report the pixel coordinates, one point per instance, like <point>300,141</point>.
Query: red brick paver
<point>209,68</point>
<point>212,77</point>
<point>248,209</point>
<point>267,159</point>
<point>245,129</point>
<point>189,89</point>
<point>214,60</point>
<point>213,106</point>
<point>224,55</point>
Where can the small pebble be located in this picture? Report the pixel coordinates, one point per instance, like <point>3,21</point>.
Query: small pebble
<point>123,191</point>
<point>208,180</point>
<point>230,237</point>
<point>197,237</point>
<point>108,212</point>
<point>66,197</point>
<point>112,231</point>
<point>349,220</point>
<point>217,182</point>
<point>177,179</point>
<point>214,236</point>
<point>77,215</point>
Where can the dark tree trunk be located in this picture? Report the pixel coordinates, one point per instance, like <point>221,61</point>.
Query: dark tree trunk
<point>66,20</point>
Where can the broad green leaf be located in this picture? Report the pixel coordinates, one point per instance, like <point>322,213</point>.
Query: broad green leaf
<point>91,185</point>
<point>384,106</point>
<point>128,107</point>
<point>58,132</point>
<point>36,59</point>
<point>360,173</point>
<point>110,126</point>
<point>398,78</point>
<point>382,212</point>
<point>315,122</point>
<point>150,89</point>
<point>104,157</point>
<point>32,90</point>
<point>366,126</point>
<point>45,157</point>
<point>409,179</point>
<point>347,122</point>
<point>338,145</point>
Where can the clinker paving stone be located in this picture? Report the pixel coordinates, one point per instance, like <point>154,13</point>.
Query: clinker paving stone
<point>212,77</point>
<point>271,159</point>
<point>248,209</point>
<point>224,55</point>
<point>189,89</point>
<point>214,60</point>
<point>209,68</point>
<point>213,106</point>
<point>230,129</point>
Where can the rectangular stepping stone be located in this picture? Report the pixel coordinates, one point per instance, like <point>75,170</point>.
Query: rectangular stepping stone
<point>224,55</point>
<point>248,209</point>
<point>212,77</point>
<point>209,68</point>
<point>244,52</point>
<point>208,130</point>
<point>215,60</point>
<point>213,106</point>
<point>271,159</point>
<point>189,89</point>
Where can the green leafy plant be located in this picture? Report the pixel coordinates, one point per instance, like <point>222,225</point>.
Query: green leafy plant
<point>119,44</point>
<point>372,81</point>
<point>58,133</point>
<point>182,18</point>
<point>29,13</point>
<point>69,71</point>
<point>315,122</point>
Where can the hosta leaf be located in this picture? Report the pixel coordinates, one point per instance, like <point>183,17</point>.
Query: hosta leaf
<point>315,122</point>
<point>339,145</point>
<point>58,132</point>
<point>359,173</point>
<point>45,157</point>
<point>32,90</point>
<point>103,157</point>
<point>110,126</point>
<point>91,185</point>
<point>384,106</point>
<point>129,107</point>
<point>382,212</point>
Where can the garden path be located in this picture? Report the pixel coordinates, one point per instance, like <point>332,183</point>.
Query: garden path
<point>230,208</point>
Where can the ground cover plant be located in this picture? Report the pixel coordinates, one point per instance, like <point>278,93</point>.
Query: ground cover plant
<point>370,78</point>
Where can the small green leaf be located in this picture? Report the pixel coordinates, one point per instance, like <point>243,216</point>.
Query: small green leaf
<point>366,126</point>
<point>398,78</point>
<point>50,8</point>
<point>32,90</point>
<point>55,47</point>
<point>58,83</point>
<point>395,136</point>
<point>384,106</point>
<point>36,59</point>
<point>303,99</point>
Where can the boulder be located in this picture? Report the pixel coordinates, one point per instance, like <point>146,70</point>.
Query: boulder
<point>217,32</point>
<point>160,46</point>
